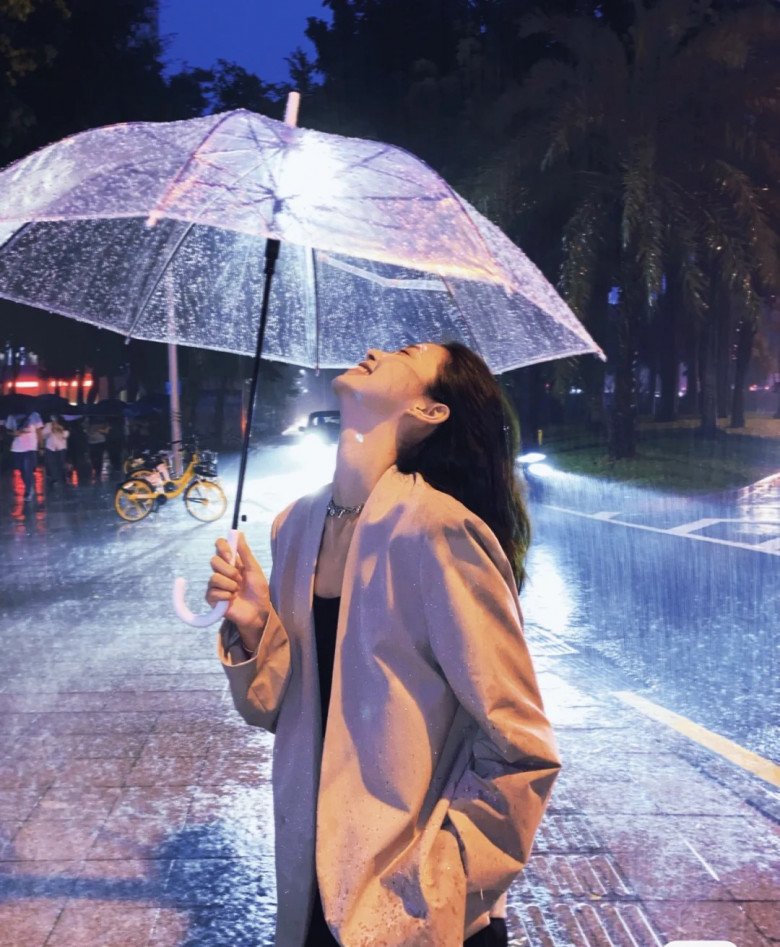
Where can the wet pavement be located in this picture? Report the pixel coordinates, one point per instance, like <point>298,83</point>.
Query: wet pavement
<point>135,805</point>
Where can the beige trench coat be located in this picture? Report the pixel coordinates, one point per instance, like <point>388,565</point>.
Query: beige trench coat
<point>438,760</point>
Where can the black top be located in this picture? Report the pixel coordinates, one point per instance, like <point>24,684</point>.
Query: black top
<point>326,619</point>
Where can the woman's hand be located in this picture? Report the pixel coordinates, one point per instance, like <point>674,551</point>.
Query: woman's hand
<point>244,586</point>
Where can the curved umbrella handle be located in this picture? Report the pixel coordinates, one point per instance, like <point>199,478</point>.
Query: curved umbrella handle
<point>217,613</point>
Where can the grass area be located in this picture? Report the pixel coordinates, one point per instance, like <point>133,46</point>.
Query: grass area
<point>673,457</point>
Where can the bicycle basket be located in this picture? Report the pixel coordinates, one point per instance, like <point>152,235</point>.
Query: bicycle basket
<point>207,467</point>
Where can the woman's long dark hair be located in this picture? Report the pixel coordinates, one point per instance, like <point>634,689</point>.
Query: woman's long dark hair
<point>471,455</point>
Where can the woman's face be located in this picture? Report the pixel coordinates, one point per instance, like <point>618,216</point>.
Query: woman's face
<point>390,382</point>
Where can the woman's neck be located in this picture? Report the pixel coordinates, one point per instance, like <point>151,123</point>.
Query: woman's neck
<point>363,457</point>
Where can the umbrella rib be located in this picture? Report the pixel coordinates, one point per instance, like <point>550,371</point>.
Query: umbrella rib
<point>311,272</point>
<point>175,250</point>
<point>281,143</point>
<point>157,210</point>
<point>463,320</point>
<point>393,175</point>
<point>14,236</point>
<point>353,166</point>
<point>389,282</point>
<point>461,203</point>
<point>140,311</point>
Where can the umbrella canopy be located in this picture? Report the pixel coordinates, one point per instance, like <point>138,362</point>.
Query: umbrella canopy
<point>53,404</point>
<point>16,404</point>
<point>157,231</point>
<point>110,408</point>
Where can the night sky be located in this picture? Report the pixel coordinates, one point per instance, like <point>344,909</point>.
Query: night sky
<point>256,34</point>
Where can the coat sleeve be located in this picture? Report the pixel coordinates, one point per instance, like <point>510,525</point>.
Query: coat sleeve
<point>474,626</point>
<point>258,684</point>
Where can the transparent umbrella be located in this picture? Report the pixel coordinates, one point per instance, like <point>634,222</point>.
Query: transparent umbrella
<point>176,231</point>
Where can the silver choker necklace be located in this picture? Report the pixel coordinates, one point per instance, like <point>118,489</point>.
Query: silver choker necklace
<point>335,510</point>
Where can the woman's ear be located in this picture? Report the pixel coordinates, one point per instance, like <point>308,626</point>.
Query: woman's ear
<point>433,413</point>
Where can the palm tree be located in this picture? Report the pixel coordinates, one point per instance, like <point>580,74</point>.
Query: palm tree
<point>647,132</point>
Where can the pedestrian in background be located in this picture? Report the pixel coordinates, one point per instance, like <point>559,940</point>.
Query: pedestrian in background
<point>25,451</point>
<point>413,760</point>
<point>6,439</point>
<point>115,442</point>
<point>55,445</point>
<point>77,449</point>
<point>96,440</point>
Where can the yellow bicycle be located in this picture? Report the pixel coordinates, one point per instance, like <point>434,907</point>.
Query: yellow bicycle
<point>146,490</point>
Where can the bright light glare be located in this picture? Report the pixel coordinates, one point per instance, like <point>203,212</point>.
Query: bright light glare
<point>541,470</point>
<point>547,599</point>
<point>319,458</point>
<point>310,173</point>
<point>295,427</point>
<point>531,458</point>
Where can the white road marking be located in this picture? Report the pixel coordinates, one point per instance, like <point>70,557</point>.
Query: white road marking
<point>686,528</point>
<point>769,547</point>
<point>707,867</point>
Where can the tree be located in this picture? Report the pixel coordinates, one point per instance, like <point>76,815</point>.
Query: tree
<point>100,63</point>
<point>643,126</point>
<point>233,87</point>
<point>24,48</point>
<point>389,72</point>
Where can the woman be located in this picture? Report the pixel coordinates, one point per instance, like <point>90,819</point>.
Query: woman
<point>419,802</point>
<point>55,442</point>
<point>25,451</point>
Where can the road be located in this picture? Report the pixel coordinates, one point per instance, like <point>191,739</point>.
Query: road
<point>683,597</point>
<point>135,806</point>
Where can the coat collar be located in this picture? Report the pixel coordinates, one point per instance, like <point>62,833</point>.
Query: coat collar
<point>390,487</point>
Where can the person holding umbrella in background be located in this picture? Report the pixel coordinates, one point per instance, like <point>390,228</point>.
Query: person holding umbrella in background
<point>413,760</point>
<point>55,442</point>
<point>25,451</point>
<point>97,430</point>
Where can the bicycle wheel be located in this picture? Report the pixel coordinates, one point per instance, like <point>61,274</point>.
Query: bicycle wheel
<point>205,500</point>
<point>134,499</point>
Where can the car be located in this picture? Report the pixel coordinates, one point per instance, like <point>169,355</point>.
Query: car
<point>325,426</point>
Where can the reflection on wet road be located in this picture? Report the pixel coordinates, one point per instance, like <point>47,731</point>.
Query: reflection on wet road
<point>691,624</point>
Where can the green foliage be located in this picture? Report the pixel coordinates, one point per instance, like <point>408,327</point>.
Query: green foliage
<point>233,87</point>
<point>91,63</point>
<point>629,143</point>
<point>24,48</point>
<point>676,460</point>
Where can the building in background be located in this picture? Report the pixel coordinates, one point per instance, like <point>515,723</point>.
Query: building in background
<point>21,372</point>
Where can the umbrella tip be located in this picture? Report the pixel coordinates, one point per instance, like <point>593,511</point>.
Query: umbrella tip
<point>291,109</point>
<point>154,218</point>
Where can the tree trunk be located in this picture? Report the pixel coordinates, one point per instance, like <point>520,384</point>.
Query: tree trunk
<point>708,381</point>
<point>621,431</point>
<point>689,403</point>
<point>668,371</point>
<point>668,346</point>
<point>652,388</point>
<point>724,357</point>
<point>777,388</point>
<point>746,333</point>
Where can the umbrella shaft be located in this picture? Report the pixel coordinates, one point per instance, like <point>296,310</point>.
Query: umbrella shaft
<point>271,255</point>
